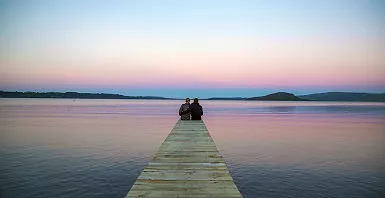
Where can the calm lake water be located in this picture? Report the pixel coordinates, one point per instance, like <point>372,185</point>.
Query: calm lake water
<point>97,148</point>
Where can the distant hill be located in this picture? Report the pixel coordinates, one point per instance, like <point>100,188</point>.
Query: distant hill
<point>345,96</point>
<point>15,94</point>
<point>279,96</point>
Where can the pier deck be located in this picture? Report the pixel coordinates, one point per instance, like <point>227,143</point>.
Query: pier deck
<point>187,164</point>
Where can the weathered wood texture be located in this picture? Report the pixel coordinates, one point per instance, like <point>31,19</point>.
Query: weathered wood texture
<point>187,164</point>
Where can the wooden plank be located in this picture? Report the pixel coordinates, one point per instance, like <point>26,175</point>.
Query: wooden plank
<point>187,164</point>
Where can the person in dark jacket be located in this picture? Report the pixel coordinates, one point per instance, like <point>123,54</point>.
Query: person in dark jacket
<point>196,110</point>
<point>183,110</point>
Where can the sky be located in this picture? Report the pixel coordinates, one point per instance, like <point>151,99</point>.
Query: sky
<point>192,48</point>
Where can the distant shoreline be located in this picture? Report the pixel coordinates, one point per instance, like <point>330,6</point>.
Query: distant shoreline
<point>74,95</point>
<point>279,96</point>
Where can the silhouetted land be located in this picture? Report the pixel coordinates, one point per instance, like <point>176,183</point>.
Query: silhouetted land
<point>329,96</point>
<point>15,94</point>
<point>279,96</point>
<point>345,96</point>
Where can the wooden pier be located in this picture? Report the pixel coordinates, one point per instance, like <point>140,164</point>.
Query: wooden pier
<point>187,164</point>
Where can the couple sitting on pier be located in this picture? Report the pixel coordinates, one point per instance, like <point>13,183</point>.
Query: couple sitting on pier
<point>192,111</point>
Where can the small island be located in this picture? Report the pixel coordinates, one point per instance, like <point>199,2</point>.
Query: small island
<point>279,96</point>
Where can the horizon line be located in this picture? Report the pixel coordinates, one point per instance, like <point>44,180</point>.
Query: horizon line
<point>178,98</point>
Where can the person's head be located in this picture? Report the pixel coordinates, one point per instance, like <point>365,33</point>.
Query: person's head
<point>187,100</point>
<point>195,100</point>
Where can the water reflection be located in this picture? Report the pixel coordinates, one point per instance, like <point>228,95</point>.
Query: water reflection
<point>303,156</point>
<point>280,109</point>
<point>97,148</point>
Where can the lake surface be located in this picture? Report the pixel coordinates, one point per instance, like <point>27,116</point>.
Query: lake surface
<point>97,148</point>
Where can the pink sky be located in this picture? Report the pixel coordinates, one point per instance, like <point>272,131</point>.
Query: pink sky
<point>246,45</point>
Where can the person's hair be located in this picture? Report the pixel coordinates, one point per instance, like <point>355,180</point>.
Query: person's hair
<point>196,100</point>
<point>187,99</point>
